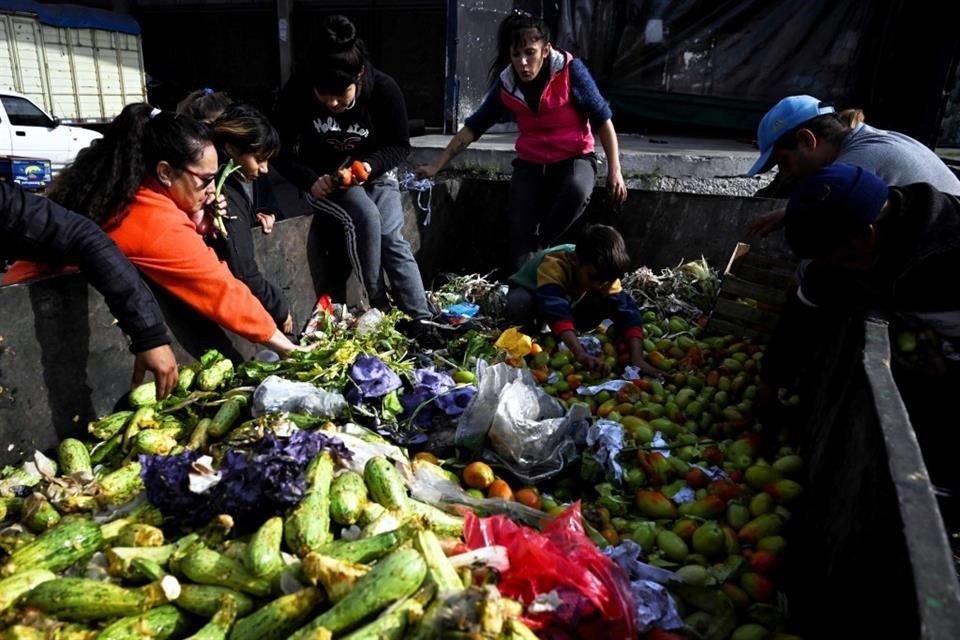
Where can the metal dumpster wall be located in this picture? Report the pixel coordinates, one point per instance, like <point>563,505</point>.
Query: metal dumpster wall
<point>62,362</point>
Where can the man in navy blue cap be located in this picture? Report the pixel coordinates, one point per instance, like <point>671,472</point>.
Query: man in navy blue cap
<point>895,249</point>
<point>801,135</point>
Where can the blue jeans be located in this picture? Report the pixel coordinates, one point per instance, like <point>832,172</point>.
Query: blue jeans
<point>372,216</point>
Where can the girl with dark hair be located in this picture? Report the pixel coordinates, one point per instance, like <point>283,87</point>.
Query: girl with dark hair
<point>339,111</point>
<point>148,183</point>
<point>245,137</point>
<point>554,101</point>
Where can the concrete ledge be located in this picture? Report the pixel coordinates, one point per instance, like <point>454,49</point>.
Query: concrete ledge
<point>657,163</point>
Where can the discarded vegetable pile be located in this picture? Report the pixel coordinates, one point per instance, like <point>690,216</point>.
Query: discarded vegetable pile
<point>271,499</point>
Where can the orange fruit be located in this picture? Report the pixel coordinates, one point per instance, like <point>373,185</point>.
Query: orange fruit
<point>500,489</point>
<point>426,456</point>
<point>529,497</point>
<point>610,534</point>
<point>478,475</point>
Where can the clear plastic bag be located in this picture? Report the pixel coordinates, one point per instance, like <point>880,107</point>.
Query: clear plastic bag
<point>276,394</point>
<point>526,431</point>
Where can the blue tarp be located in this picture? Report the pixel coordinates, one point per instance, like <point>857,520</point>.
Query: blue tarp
<point>74,15</point>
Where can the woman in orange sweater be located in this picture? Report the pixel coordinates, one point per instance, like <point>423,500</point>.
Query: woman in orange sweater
<point>149,183</point>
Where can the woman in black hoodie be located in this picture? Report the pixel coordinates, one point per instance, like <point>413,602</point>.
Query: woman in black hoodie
<point>343,113</point>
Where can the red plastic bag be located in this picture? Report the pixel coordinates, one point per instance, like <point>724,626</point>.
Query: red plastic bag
<point>595,593</point>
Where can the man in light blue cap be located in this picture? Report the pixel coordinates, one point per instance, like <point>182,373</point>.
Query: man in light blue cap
<point>801,135</point>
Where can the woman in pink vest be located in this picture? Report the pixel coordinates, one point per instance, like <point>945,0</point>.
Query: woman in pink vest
<point>554,101</point>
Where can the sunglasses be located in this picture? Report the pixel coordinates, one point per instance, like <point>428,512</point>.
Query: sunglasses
<point>205,181</point>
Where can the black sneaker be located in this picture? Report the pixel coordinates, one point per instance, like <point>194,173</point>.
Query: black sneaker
<point>422,332</point>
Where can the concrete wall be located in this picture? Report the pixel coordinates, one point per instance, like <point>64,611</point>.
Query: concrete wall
<point>63,362</point>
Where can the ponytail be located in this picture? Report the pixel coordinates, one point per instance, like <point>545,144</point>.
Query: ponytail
<point>516,30</point>
<point>103,179</point>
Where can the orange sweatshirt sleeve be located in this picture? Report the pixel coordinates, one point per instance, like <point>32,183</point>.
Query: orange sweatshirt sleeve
<point>165,246</point>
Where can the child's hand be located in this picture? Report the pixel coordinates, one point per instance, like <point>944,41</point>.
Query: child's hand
<point>266,221</point>
<point>593,364</point>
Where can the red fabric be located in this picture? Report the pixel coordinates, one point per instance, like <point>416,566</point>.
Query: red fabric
<point>562,325</point>
<point>633,332</point>
<point>562,559</point>
<point>556,131</point>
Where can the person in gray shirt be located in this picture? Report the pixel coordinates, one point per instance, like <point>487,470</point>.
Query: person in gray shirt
<point>801,135</point>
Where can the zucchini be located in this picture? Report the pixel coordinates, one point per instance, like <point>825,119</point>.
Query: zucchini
<point>395,577</point>
<point>219,626</point>
<point>109,426</point>
<point>186,377</point>
<point>38,514</point>
<point>73,457</point>
<point>371,512</point>
<point>443,574</point>
<point>145,513</point>
<point>142,418</point>
<point>438,521</point>
<point>307,527</point>
<point>366,550</point>
<point>227,415</point>
<point>120,486</point>
<point>386,522</point>
<point>348,498</point>
<point>74,504</point>
<point>200,599</point>
<point>153,442</point>
<point>262,554</point>
<point>385,483</point>
<point>200,434</point>
<point>83,599</point>
<point>204,599</point>
<point>276,620</point>
<point>392,623</point>
<point>215,376</point>
<point>74,539</point>
<point>143,395</point>
<point>20,583</point>
<point>121,561</point>
<point>159,623</point>
<point>104,452</point>
<point>140,535</point>
<point>337,577</point>
<point>206,566</point>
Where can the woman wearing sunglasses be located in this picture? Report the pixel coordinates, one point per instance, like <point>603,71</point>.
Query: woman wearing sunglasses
<point>149,183</point>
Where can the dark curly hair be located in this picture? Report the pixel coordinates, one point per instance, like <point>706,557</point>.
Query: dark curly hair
<point>337,56</point>
<point>102,180</point>
<point>602,247</point>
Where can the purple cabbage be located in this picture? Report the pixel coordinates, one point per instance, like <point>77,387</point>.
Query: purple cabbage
<point>371,378</point>
<point>260,483</point>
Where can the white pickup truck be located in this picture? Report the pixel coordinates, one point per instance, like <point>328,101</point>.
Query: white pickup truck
<point>27,131</point>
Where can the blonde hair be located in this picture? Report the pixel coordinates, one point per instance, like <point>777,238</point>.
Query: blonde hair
<point>851,118</point>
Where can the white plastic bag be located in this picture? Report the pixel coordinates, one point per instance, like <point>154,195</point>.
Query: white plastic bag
<point>276,394</point>
<point>524,429</point>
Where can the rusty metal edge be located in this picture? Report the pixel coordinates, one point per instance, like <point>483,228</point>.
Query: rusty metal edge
<point>935,579</point>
